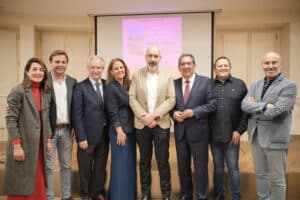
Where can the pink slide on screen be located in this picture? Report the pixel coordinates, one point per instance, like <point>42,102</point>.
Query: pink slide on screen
<point>139,33</point>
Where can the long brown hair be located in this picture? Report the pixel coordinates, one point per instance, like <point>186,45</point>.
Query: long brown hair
<point>44,85</point>
<point>110,78</point>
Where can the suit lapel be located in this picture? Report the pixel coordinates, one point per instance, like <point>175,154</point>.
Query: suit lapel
<point>259,91</point>
<point>121,89</point>
<point>179,89</point>
<point>44,99</point>
<point>69,86</point>
<point>52,88</point>
<point>193,89</point>
<point>160,81</point>
<point>92,91</point>
<point>272,86</point>
<point>29,96</point>
<point>143,83</point>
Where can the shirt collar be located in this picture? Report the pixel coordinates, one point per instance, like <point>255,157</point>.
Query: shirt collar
<point>94,82</point>
<point>54,79</point>
<point>271,81</point>
<point>156,72</point>
<point>218,81</point>
<point>191,79</point>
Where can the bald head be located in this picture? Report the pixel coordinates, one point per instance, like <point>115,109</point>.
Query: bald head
<point>153,48</point>
<point>152,58</point>
<point>272,54</point>
<point>271,63</point>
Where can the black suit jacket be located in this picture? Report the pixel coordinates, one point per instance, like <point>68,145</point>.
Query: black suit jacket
<point>88,113</point>
<point>70,83</point>
<point>202,102</point>
<point>118,109</point>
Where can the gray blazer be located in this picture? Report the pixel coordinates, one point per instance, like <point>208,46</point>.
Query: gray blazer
<point>70,82</point>
<point>272,126</point>
<point>23,121</point>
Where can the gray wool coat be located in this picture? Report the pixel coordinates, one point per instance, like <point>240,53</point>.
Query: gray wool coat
<point>23,121</point>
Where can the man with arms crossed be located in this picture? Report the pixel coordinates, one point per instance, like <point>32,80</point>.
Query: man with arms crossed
<point>194,104</point>
<point>151,97</point>
<point>270,102</point>
<point>60,120</point>
<point>89,119</point>
<point>228,123</point>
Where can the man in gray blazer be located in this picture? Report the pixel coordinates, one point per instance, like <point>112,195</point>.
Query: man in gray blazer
<point>60,112</point>
<point>270,102</point>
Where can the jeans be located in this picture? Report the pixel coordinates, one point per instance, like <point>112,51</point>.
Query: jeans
<point>63,144</point>
<point>269,166</point>
<point>230,154</point>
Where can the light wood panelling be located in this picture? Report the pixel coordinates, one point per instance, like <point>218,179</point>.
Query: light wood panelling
<point>78,45</point>
<point>9,66</point>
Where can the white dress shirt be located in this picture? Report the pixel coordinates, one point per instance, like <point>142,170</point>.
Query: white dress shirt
<point>152,81</point>
<point>100,86</point>
<point>60,90</point>
<point>191,79</point>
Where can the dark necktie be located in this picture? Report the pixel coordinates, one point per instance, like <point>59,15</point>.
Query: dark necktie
<point>98,91</point>
<point>186,91</point>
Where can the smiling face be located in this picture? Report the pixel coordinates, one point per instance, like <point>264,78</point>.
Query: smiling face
<point>271,64</point>
<point>118,71</point>
<point>153,58</point>
<point>59,65</point>
<point>187,67</point>
<point>222,69</point>
<point>35,73</point>
<point>95,69</point>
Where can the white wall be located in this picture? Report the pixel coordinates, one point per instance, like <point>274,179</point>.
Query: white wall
<point>27,43</point>
<point>27,26</point>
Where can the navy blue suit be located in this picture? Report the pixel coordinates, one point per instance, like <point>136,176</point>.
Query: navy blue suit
<point>89,121</point>
<point>192,135</point>
<point>123,158</point>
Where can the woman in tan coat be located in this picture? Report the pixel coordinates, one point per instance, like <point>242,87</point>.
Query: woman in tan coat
<point>29,134</point>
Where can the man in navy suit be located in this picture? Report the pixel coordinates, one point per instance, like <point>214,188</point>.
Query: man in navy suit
<point>89,121</point>
<point>194,104</point>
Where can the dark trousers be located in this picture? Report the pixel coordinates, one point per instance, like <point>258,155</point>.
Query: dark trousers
<point>160,137</point>
<point>199,152</point>
<point>92,168</point>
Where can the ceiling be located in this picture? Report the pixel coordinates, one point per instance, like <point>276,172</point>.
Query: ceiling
<point>102,7</point>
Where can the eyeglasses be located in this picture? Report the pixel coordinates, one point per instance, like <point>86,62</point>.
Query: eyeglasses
<point>186,63</point>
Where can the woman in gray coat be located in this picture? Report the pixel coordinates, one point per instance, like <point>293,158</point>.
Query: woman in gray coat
<point>29,134</point>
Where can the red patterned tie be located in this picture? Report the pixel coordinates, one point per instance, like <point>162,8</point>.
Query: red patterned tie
<point>186,91</point>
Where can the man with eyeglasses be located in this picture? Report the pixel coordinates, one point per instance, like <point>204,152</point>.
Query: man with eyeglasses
<point>194,104</point>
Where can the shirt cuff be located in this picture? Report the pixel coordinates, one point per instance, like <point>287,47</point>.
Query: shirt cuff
<point>16,141</point>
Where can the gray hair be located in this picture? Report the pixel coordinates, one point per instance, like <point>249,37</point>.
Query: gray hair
<point>95,57</point>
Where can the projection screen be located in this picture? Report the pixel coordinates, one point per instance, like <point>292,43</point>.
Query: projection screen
<point>128,37</point>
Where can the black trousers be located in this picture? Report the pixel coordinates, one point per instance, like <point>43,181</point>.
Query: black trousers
<point>92,168</point>
<point>160,137</point>
<point>198,151</point>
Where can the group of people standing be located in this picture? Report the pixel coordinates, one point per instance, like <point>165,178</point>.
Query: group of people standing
<point>48,109</point>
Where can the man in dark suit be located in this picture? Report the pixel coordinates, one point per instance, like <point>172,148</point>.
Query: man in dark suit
<point>270,102</point>
<point>60,120</point>
<point>89,121</point>
<point>194,104</point>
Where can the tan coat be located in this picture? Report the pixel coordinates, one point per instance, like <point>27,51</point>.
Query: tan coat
<point>23,121</point>
<point>165,100</point>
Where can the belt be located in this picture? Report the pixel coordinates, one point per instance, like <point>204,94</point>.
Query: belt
<point>60,126</point>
